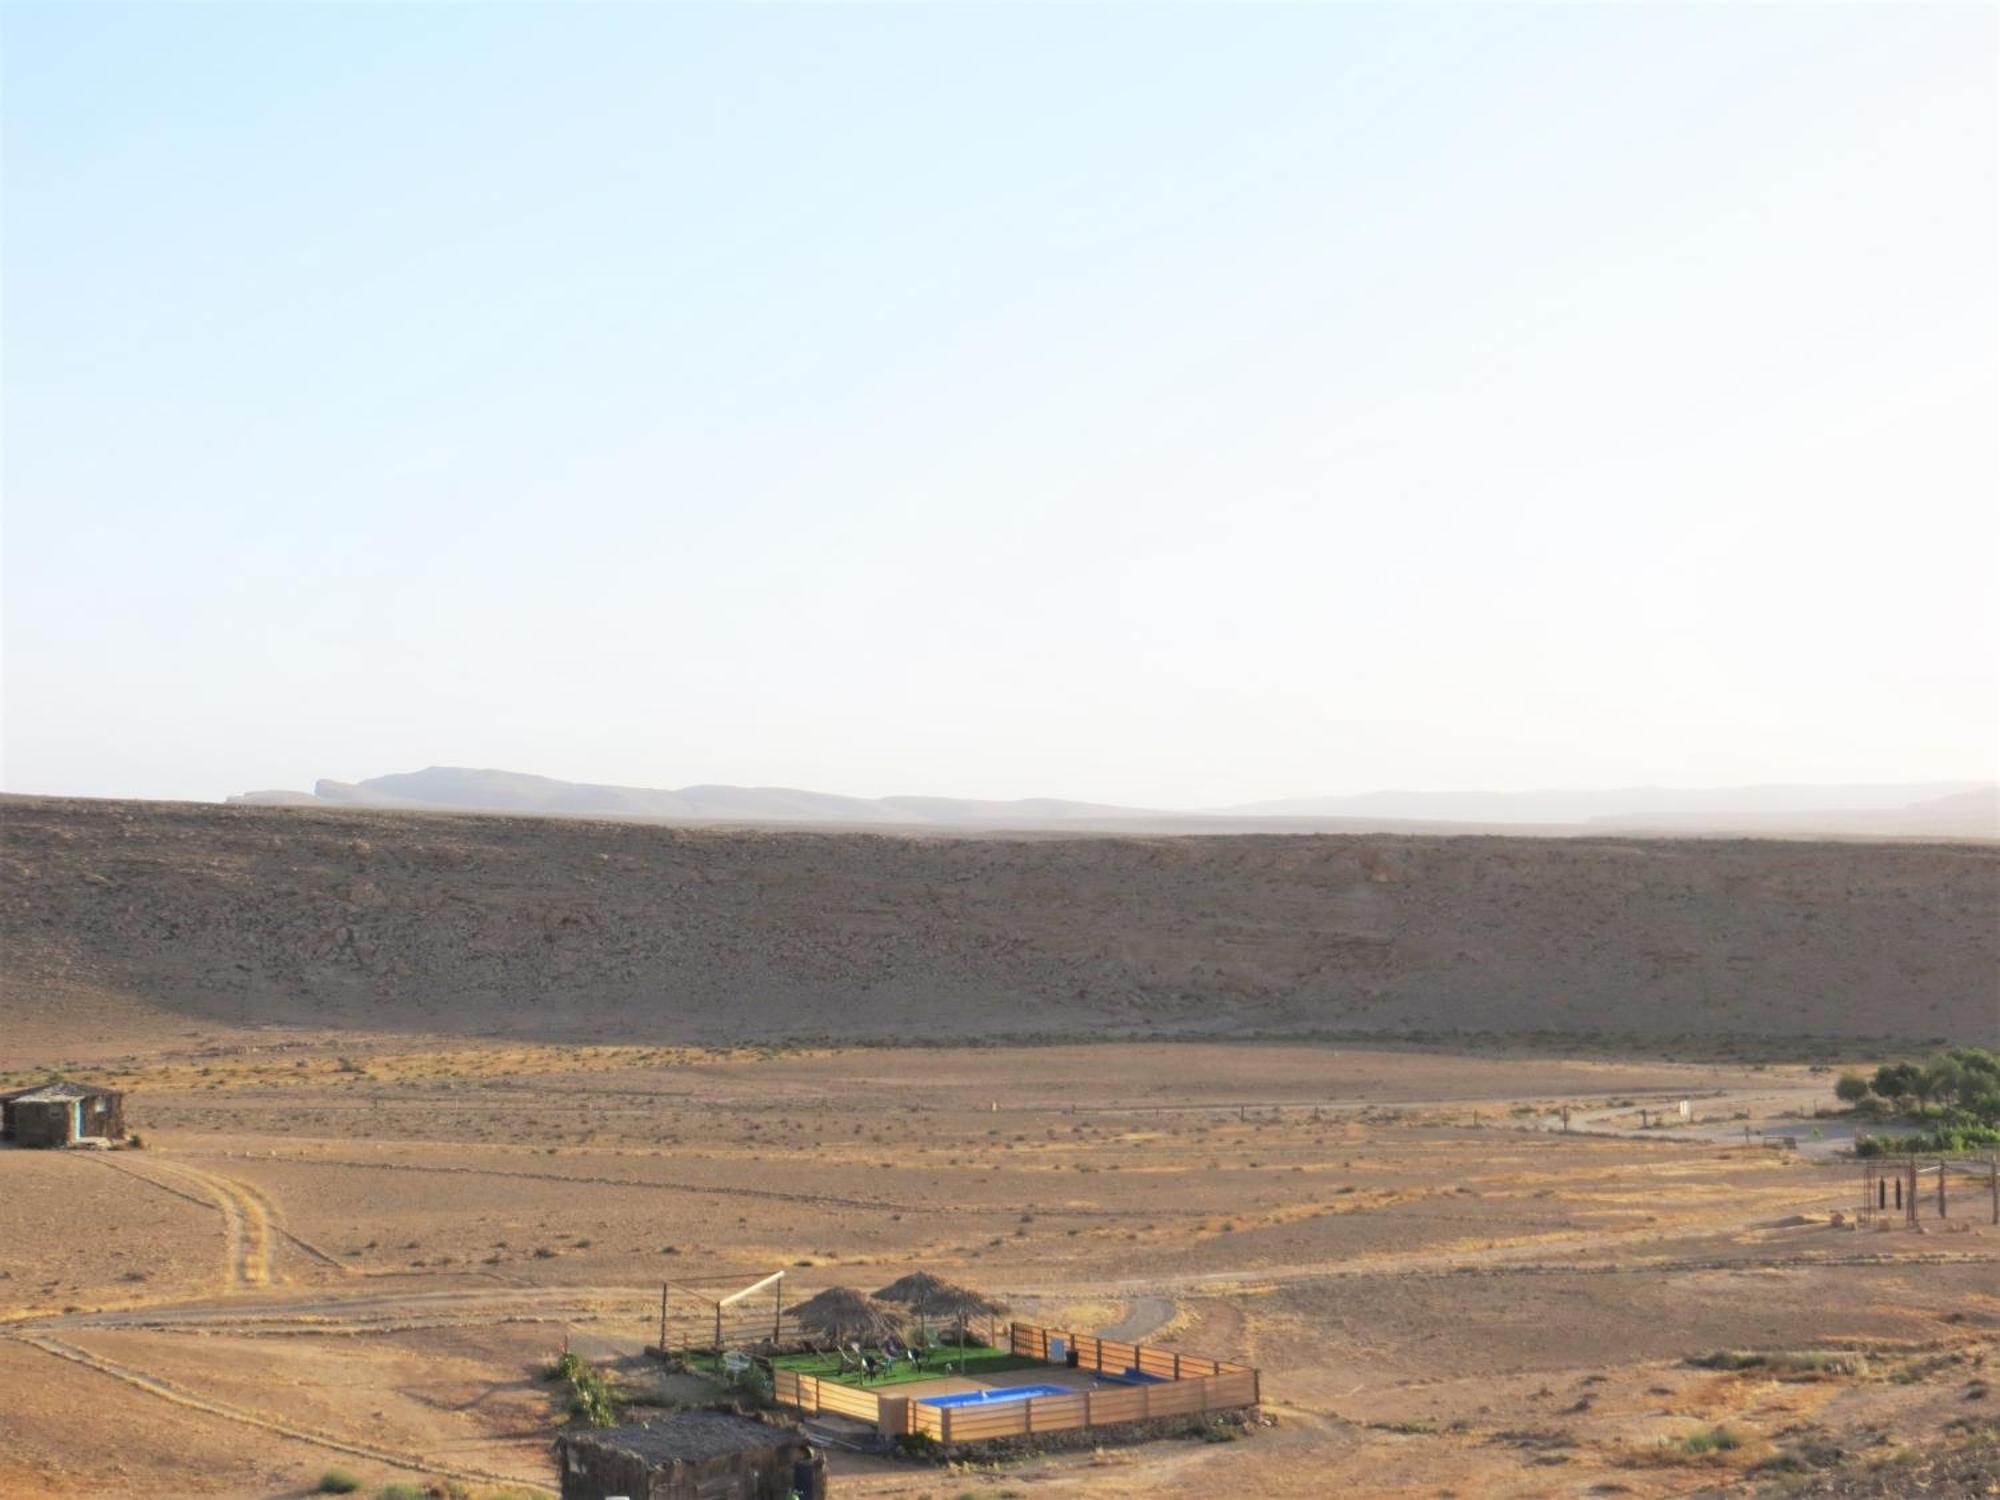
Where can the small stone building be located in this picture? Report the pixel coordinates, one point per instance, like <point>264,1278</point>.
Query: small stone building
<point>61,1114</point>
<point>691,1455</point>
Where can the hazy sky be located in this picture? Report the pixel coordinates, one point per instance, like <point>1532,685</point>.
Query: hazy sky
<point>1170,405</point>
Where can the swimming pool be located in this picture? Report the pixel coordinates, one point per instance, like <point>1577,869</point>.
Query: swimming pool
<point>988,1397</point>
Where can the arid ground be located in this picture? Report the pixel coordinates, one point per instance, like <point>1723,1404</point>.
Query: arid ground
<point>422,1099</point>
<point>360,1251</point>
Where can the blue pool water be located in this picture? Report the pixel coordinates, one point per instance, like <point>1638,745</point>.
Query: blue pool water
<point>987,1398</point>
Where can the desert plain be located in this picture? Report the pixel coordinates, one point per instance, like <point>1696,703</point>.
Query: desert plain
<point>441,1114</point>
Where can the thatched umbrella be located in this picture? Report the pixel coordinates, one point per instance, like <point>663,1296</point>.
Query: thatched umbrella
<point>842,1314</point>
<point>931,1296</point>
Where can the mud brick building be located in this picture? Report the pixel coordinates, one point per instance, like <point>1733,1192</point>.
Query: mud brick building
<point>60,1114</point>
<point>691,1455</point>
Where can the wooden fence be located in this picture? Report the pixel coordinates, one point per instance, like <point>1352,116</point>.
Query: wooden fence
<point>811,1394</point>
<point>998,1419</point>
<point>1110,1357</point>
<point>1183,1385</point>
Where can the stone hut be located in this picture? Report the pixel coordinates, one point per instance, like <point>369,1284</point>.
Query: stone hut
<point>61,1114</point>
<point>691,1455</point>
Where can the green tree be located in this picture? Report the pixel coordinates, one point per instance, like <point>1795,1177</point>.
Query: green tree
<point>1895,1082</point>
<point>1851,1089</point>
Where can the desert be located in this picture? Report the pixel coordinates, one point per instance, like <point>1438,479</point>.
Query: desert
<point>964,751</point>
<point>451,1102</point>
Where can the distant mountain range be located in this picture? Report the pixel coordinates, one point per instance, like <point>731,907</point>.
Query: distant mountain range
<point>466,790</point>
<point>1898,810</point>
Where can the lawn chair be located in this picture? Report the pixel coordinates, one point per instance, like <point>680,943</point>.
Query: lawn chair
<point>933,1353</point>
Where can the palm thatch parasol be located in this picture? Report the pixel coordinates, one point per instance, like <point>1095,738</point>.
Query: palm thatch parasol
<point>931,1296</point>
<point>844,1315</point>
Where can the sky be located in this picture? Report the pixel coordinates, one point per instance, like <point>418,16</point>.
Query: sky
<point>1174,405</point>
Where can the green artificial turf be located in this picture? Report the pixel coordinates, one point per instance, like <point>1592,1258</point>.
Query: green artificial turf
<point>939,1362</point>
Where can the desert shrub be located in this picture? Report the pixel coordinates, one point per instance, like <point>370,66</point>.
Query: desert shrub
<point>755,1382</point>
<point>1785,1361</point>
<point>1782,1463</point>
<point>400,1491</point>
<point>338,1482</point>
<point>564,1368</point>
<point>1851,1089</point>
<point>590,1399</point>
<point>1711,1440</point>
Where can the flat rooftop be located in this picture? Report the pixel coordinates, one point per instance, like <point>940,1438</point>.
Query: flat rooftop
<point>688,1435</point>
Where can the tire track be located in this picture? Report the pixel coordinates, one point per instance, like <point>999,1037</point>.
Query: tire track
<point>774,1195</point>
<point>246,1218</point>
<point>1275,1276</point>
<point>341,1312</point>
<point>166,1390</point>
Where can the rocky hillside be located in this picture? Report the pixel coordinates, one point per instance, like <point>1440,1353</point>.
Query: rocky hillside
<point>570,928</point>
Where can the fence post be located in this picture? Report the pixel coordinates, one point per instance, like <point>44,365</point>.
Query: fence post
<point>663,1320</point>
<point>1941,1176</point>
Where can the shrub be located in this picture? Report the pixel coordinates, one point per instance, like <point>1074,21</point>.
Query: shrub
<point>1851,1089</point>
<point>1712,1440</point>
<point>400,1491</point>
<point>590,1399</point>
<point>1785,1361</point>
<point>1943,1140</point>
<point>338,1482</point>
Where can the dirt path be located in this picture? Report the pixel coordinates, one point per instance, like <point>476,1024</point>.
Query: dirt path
<point>1143,1315</point>
<point>246,1215</point>
<point>1441,1268</point>
<point>254,1222</point>
<point>702,1189</point>
<point>167,1391</point>
<point>369,1312</point>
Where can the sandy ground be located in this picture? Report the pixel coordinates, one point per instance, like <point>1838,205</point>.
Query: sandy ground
<point>361,1251</point>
